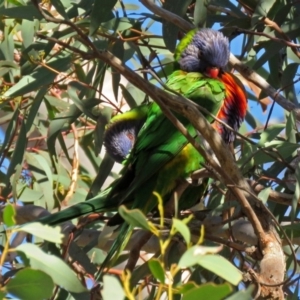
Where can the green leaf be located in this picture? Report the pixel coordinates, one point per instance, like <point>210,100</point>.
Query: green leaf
<point>102,12</point>
<point>209,291</point>
<point>285,149</point>
<point>262,9</point>
<point>251,120</point>
<point>104,170</point>
<point>60,272</point>
<point>264,195</point>
<point>17,156</point>
<point>40,77</point>
<point>200,12</point>
<point>186,287</point>
<point>222,267</point>
<point>60,8</point>
<point>35,107</point>
<point>214,263</point>
<point>28,12</point>
<point>9,214</point>
<point>28,30</point>
<point>29,284</point>
<point>136,94</point>
<point>129,99</point>
<point>157,269</point>
<point>288,74</point>
<point>170,31</point>
<point>183,229</point>
<point>9,134</point>
<point>48,233</point>
<point>191,256</point>
<point>296,194</point>
<point>102,120</point>
<point>56,125</point>
<point>112,289</point>
<point>245,295</point>
<point>38,166</point>
<point>270,133</point>
<point>118,51</point>
<point>291,128</point>
<point>118,24</point>
<point>134,217</point>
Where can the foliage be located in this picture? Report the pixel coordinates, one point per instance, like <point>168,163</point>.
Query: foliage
<point>56,99</point>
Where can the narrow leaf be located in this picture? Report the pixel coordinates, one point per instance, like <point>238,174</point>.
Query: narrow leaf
<point>134,217</point>
<point>102,12</point>
<point>157,269</point>
<point>9,214</point>
<point>48,233</point>
<point>112,289</point>
<point>183,229</point>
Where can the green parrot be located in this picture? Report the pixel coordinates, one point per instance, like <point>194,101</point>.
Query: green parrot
<point>156,156</point>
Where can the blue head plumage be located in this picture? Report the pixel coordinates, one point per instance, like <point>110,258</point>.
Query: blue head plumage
<point>203,50</point>
<point>119,138</point>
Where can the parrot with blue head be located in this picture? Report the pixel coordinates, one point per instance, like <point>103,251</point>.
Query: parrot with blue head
<point>202,51</point>
<point>156,156</point>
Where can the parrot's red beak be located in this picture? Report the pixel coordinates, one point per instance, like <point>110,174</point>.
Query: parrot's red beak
<point>212,72</point>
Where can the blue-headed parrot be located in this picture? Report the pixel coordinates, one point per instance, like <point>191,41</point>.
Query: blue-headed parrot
<point>157,156</point>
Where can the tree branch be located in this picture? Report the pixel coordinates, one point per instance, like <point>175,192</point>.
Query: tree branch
<point>247,72</point>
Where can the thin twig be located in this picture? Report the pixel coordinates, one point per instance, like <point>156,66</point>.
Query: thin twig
<point>259,33</point>
<point>75,166</point>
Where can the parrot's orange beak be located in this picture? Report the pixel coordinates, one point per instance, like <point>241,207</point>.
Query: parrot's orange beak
<point>212,72</point>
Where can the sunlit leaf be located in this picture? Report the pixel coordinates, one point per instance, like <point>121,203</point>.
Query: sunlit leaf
<point>9,214</point>
<point>157,269</point>
<point>57,269</point>
<point>134,217</point>
<point>30,283</point>
<point>183,229</point>
<point>51,234</point>
<point>215,263</point>
<point>112,288</point>
<point>243,294</point>
<point>208,291</point>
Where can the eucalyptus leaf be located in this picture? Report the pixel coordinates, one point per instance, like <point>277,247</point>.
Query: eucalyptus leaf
<point>134,217</point>
<point>28,282</point>
<point>9,214</point>
<point>57,269</point>
<point>112,288</point>
<point>48,233</point>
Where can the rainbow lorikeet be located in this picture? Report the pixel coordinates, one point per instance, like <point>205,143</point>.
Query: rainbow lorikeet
<point>157,155</point>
